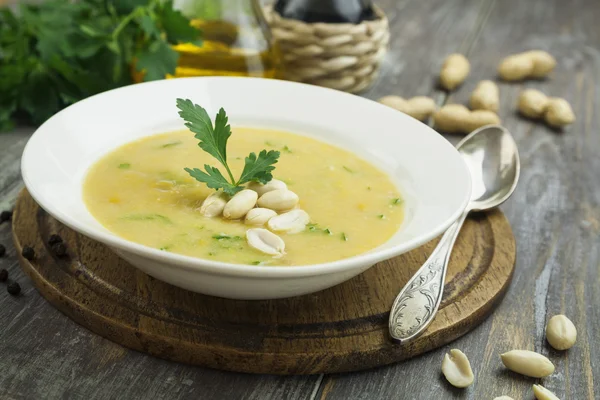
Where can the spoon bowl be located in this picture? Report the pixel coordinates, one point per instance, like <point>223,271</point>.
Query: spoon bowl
<point>492,158</point>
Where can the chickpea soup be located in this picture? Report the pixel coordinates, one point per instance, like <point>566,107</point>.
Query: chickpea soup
<point>142,193</point>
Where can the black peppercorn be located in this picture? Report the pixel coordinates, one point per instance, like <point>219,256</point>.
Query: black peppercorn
<point>28,253</point>
<point>2,250</point>
<point>54,238</point>
<point>13,288</point>
<point>5,216</point>
<point>3,275</point>
<point>59,249</point>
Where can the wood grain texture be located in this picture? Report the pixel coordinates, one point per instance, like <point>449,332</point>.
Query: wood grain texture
<point>555,215</point>
<point>340,329</point>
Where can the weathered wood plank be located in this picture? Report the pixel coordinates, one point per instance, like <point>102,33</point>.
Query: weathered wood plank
<point>69,361</point>
<point>555,215</point>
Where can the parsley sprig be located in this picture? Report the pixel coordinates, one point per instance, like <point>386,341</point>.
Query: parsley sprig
<point>213,140</point>
<point>57,52</point>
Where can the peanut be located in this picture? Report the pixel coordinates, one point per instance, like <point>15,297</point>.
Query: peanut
<point>561,333</point>
<point>259,216</point>
<point>279,200</point>
<point>261,189</point>
<point>454,71</point>
<point>240,204</point>
<point>457,369</point>
<point>541,393</point>
<point>265,241</point>
<point>290,222</point>
<point>532,103</point>
<point>527,363</point>
<point>456,118</point>
<point>556,112</point>
<point>214,204</point>
<point>485,96</point>
<point>419,107</point>
<point>530,64</point>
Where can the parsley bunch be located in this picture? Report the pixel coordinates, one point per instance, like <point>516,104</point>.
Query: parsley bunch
<point>213,140</point>
<point>58,52</point>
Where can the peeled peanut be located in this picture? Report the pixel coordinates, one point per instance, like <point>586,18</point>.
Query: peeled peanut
<point>265,241</point>
<point>291,222</point>
<point>240,204</point>
<point>559,113</point>
<point>485,96</point>
<point>543,63</point>
<point>259,216</point>
<point>556,112</point>
<point>561,333</point>
<point>261,189</point>
<point>532,103</point>
<point>419,107</point>
<point>214,204</point>
<point>527,363</point>
<point>530,64</point>
<point>278,200</point>
<point>454,71</point>
<point>541,393</point>
<point>457,369</point>
<point>456,118</point>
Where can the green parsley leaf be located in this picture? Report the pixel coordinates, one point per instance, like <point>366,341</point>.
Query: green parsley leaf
<point>57,52</point>
<point>148,25</point>
<point>124,166</point>
<point>222,236</point>
<point>177,27</point>
<point>148,217</point>
<point>259,168</point>
<point>171,144</point>
<point>397,201</point>
<point>213,140</point>
<point>344,237</point>
<point>157,61</point>
<point>213,179</point>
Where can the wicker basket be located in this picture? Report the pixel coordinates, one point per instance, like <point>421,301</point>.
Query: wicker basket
<point>339,56</point>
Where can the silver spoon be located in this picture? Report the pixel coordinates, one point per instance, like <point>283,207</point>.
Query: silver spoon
<point>492,157</point>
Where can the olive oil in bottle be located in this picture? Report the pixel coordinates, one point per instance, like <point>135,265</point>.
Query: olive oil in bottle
<point>236,40</point>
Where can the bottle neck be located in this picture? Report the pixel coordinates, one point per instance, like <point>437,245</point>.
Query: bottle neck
<point>224,10</point>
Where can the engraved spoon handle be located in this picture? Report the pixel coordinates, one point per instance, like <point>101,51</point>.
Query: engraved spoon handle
<point>418,301</point>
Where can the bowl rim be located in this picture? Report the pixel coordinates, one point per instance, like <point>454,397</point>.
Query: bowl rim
<point>198,264</point>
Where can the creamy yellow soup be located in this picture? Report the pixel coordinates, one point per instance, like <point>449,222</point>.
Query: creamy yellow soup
<point>142,193</point>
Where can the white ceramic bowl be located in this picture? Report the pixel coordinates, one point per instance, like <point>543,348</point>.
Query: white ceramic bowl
<point>428,170</point>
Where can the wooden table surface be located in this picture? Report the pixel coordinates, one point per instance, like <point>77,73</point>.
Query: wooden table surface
<point>555,214</point>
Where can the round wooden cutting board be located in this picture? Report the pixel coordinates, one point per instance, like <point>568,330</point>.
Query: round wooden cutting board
<point>344,328</point>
